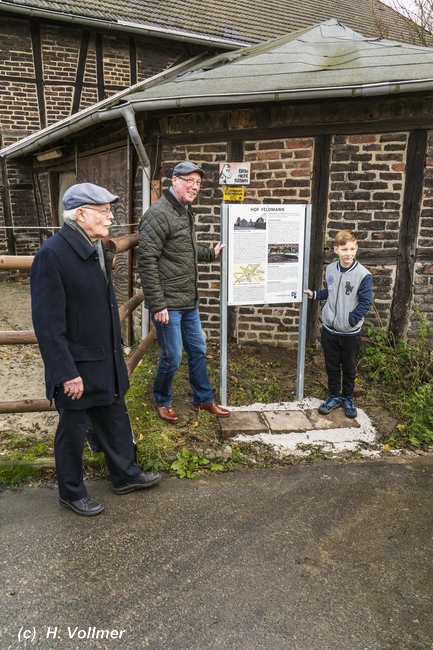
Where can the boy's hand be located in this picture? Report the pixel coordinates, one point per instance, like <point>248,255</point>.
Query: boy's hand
<point>309,293</point>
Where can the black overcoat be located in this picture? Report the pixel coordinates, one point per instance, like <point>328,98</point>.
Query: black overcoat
<point>76,321</point>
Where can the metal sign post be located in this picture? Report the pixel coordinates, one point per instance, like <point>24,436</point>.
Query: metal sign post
<point>302,336</point>
<point>223,304</point>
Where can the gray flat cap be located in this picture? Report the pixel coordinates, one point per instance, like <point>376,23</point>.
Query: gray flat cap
<point>83,193</point>
<point>187,167</point>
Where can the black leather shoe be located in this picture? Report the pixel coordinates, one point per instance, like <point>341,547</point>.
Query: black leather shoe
<point>87,507</point>
<point>143,480</point>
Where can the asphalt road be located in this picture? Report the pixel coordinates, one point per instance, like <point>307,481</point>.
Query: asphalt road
<point>319,557</point>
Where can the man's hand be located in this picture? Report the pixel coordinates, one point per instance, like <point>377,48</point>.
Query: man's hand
<point>161,316</point>
<point>73,388</point>
<point>309,293</point>
<point>218,248</point>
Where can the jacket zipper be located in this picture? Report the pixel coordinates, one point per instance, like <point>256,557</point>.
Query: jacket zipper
<point>336,300</point>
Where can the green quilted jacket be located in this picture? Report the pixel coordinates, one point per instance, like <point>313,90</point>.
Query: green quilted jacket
<point>168,256</point>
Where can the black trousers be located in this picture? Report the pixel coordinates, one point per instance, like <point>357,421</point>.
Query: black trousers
<point>113,430</point>
<point>341,353</point>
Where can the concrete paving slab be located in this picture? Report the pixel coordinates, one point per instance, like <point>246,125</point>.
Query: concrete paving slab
<point>335,420</point>
<point>243,423</point>
<point>285,421</point>
<point>334,433</point>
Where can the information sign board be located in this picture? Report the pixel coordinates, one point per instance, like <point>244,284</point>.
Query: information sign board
<point>265,253</point>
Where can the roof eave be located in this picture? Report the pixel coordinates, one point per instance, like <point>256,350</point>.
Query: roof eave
<point>102,114</point>
<point>128,27</point>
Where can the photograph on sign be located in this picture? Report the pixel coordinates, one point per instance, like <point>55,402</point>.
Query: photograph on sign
<point>234,173</point>
<point>265,253</point>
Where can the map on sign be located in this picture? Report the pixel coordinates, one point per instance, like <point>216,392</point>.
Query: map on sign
<point>249,273</point>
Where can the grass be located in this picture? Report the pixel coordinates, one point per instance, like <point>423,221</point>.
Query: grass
<point>256,374</point>
<point>402,374</point>
<point>396,376</point>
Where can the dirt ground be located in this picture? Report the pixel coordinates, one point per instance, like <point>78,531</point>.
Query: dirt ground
<point>21,372</point>
<point>21,367</point>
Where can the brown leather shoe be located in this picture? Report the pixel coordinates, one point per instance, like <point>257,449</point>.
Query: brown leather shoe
<point>219,411</point>
<point>166,413</point>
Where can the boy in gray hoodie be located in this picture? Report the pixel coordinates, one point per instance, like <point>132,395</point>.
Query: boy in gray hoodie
<point>348,296</point>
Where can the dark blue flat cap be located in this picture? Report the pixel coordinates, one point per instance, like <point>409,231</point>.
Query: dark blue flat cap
<point>187,167</point>
<point>87,193</point>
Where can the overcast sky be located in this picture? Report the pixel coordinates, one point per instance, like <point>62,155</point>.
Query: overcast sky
<point>406,3</point>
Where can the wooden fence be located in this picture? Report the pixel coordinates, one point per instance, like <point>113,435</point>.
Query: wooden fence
<point>24,262</point>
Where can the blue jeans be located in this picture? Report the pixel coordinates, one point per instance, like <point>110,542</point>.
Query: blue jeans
<point>182,330</point>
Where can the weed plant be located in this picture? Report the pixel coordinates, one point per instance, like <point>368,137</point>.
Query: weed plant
<point>403,373</point>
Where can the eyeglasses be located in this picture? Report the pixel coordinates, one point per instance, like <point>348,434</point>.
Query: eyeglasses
<point>191,181</point>
<point>104,211</point>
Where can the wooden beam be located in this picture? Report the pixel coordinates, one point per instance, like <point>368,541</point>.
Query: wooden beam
<point>123,243</point>
<point>132,61</point>
<point>40,463</point>
<point>81,67</point>
<point>319,203</point>
<point>131,304</point>
<point>35,33</point>
<point>299,131</point>
<point>13,337</point>
<point>18,262</point>
<point>26,406</point>
<point>385,256</point>
<point>100,67</point>
<point>406,253</point>
<point>139,353</point>
<point>6,199</point>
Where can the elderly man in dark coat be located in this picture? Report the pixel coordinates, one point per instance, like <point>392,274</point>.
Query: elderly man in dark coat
<point>76,321</point>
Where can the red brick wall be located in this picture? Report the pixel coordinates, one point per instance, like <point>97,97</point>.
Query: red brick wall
<point>280,172</point>
<point>19,108</point>
<point>366,189</point>
<point>366,196</point>
<point>207,211</point>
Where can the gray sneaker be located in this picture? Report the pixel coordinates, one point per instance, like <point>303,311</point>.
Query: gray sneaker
<point>143,480</point>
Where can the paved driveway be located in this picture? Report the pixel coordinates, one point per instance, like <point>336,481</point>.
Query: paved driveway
<point>318,557</point>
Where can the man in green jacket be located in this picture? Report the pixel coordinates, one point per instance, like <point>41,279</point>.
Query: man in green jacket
<point>168,258</point>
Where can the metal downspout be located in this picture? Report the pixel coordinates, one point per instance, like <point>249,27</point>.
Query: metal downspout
<point>128,114</point>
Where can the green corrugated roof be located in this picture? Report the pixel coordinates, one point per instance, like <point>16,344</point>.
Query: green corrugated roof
<point>328,55</point>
